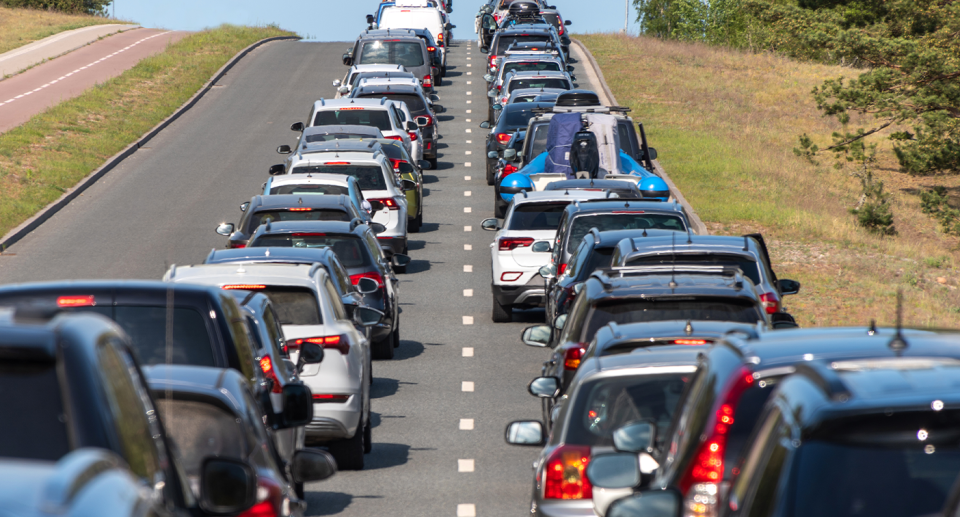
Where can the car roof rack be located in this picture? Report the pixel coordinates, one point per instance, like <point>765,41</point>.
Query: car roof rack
<point>605,275</point>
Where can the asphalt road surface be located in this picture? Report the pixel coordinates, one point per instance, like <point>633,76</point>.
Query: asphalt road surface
<point>438,448</point>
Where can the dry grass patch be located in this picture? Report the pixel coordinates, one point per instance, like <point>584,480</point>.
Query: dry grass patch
<point>19,27</point>
<point>725,124</point>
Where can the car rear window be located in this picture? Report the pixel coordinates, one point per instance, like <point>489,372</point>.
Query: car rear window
<point>265,216</point>
<point>414,103</point>
<point>537,66</point>
<point>544,82</point>
<point>378,118</point>
<point>604,405</point>
<point>627,220</point>
<point>348,248</point>
<point>147,327</point>
<point>294,305</point>
<point>515,119</point>
<point>406,53</point>
<point>634,310</point>
<point>200,430</point>
<point>537,216</point>
<point>323,190</point>
<point>746,264</point>
<point>369,177</point>
<point>34,424</point>
<point>506,40</point>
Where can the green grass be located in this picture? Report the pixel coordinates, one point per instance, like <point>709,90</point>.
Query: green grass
<point>19,27</point>
<point>49,154</point>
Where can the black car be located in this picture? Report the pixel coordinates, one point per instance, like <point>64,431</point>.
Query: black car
<point>552,16</point>
<point>290,207</point>
<point>513,118</point>
<point>357,249</point>
<point>71,382</point>
<point>212,411</point>
<point>419,107</point>
<point>434,50</point>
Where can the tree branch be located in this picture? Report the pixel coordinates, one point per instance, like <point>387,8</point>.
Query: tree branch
<point>860,137</point>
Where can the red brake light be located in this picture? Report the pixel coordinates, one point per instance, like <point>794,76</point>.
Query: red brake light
<point>244,287</point>
<point>261,509</point>
<point>628,212</point>
<point>350,109</point>
<point>512,243</point>
<point>428,81</point>
<point>573,356</point>
<point>431,49</point>
<point>566,473</point>
<point>395,137</point>
<point>308,235</point>
<point>503,138</point>
<point>413,136</point>
<point>85,300</point>
<point>770,303</point>
<point>355,279</point>
<point>322,398</point>
<point>395,163</point>
<point>561,269</point>
<point>388,202</point>
<point>299,209</point>
<point>238,245</point>
<point>328,342</point>
<point>691,341</point>
<point>267,366</point>
<point>337,163</point>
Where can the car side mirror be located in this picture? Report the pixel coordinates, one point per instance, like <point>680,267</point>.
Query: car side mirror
<point>510,154</point>
<point>225,229</point>
<point>485,125</point>
<point>492,155</point>
<point>375,205</point>
<point>297,402</point>
<point>367,285</point>
<point>312,465</point>
<point>497,107</point>
<point>544,387</point>
<point>400,260</point>
<point>485,50</point>
<point>347,60</point>
<point>490,225</point>
<point>284,149</point>
<point>548,271</point>
<point>438,108</point>
<point>448,26</point>
<point>567,22</point>
<point>367,317</point>
<point>408,185</point>
<point>297,126</point>
<point>276,169</point>
<point>648,503</point>
<point>378,228</point>
<point>227,486</point>
<point>488,78</point>
<point>369,18</point>
<point>412,126</point>
<point>635,437</point>
<point>560,321</point>
<point>424,165</point>
<point>570,68</point>
<point>310,353</point>
<point>525,432</point>
<point>788,287</point>
<point>343,90</point>
<point>541,247</point>
<point>536,336</point>
<point>614,470</point>
<point>244,206</point>
<point>422,121</point>
<point>336,83</point>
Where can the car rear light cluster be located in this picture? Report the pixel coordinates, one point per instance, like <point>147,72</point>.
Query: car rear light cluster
<point>429,119</point>
<point>434,49</point>
<point>355,279</point>
<point>770,303</point>
<point>413,135</point>
<point>388,202</point>
<point>325,398</point>
<point>269,497</point>
<point>395,163</point>
<point>339,343</point>
<point>84,300</point>
<point>573,356</point>
<point>266,364</point>
<point>238,245</point>
<point>428,81</point>
<point>512,243</point>
<point>692,342</point>
<point>243,287</point>
<point>565,475</point>
<point>561,269</point>
<point>398,138</point>
<point>503,138</point>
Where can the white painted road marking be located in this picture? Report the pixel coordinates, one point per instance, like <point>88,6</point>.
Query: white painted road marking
<point>467,164</point>
<point>467,209</point>
<point>468,228</point>
<point>466,424</point>
<point>466,510</point>
<point>466,178</point>
<point>467,268</point>
<point>468,292</point>
<point>466,386</point>
<point>468,320</point>
<point>467,247</point>
<point>465,465</point>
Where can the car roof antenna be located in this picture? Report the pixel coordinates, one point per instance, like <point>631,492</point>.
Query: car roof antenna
<point>689,328</point>
<point>898,344</point>
<point>872,329</point>
<point>689,237</point>
<point>673,265</point>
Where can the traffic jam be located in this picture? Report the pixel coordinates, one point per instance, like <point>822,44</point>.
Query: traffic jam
<point>673,382</point>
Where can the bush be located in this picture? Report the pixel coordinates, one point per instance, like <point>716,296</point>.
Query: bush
<point>69,6</point>
<point>936,203</point>
<point>874,212</point>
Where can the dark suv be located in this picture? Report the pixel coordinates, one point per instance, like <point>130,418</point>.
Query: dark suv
<point>288,207</point>
<point>419,107</point>
<point>514,117</point>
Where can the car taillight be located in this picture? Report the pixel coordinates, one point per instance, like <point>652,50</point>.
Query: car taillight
<point>561,269</point>
<point>428,81</point>
<point>86,300</point>
<point>770,303</point>
<point>243,287</point>
<point>512,243</point>
<point>572,356</point>
<point>324,398</point>
<point>431,49</point>
<point>691,341</point>
<point>388,202</point>
<point>429,119</point>
<point>395,163</point>
<point>267,366</point>
<point>269,497</point>
<point>355,279</point>
<point>300,209</point>
<point>398,138</point>
<point>238,245</point>
<point>331,342</point>
<point>413,136</point>
<point>493,61</point>
<point>261,509</point>
<point>499,87</point>
<point>508,169</point>
<point>503,138</point>
<point>565,476</point>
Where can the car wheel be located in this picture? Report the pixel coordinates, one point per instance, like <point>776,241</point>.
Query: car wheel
<point>491,172</point>
<point>298,488</point>
<point>413,225</point>
<point>396,336</point>
<point>433,163</point>
<point>502,313</point>
<point>349,453</point>
<point>367,437</point>
<point>383,349</point>
<point>443,71</point>
<point>499,209</point>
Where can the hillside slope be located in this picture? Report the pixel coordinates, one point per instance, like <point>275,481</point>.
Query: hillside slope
<point>19,27</point>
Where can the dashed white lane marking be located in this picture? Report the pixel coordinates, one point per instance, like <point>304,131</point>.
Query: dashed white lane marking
<point>469,93</point>
<point>468,320</point>
<point>468,164</point>
<point>467,268</point>
<point>469,141</point>
<point>468,152</point>
<point>469,130</point>
<point>467,209</point>
<point>466,386</point>
<point>8,101</point>
<point>469,82</point>
<point>467,247</point>
<point>469,111</point>
<point>466,178</point>
<point>467,193</point>
<point>466,424</point>
<point>468,120</point>
<point>465,465</point>
<point>469,73</point>
<point>468,228</point>
<point>468,59</point>
<point>468,352</point>
<point>469,102</point>
<point>468,64</point>
<point>466,510</point>
<point>468,292</point>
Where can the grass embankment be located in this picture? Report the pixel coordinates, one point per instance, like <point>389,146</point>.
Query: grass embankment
<point>725,124</point>
<point>19,27</point>
<point>43,158</point>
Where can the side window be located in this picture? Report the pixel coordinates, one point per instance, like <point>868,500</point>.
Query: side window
<point>238,333</point>
<point>557,248</point>
<point>571,330</point>
<point>576,259</point>
<point>764,466</point>
<point>374,247</point>
<point>135,421</point>
<point>335,301</point>
<point>341,276</point>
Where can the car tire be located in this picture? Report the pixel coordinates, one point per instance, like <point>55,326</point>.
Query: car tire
<point>433,163</point>
<point>499,209</point>
<point>298,489</point>
<point>502,313</point>
<point>368,437</point>
<point>383,349</point>
<point>413,225</point>
<point>396,336</point>
<point>491,172</point>
<point>443,71</point>
<point>349,453</point>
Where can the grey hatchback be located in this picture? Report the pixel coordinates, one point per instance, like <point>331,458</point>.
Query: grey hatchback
<point>393,47</point>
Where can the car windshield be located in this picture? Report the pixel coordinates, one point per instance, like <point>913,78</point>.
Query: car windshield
<point>348,248</point>
<point>200,430</point>
<point>514,119</point>
<point>539,82</point>
<point>414,102</point>
<point>710,308</point>
<point>378,118</point>
<point>294,305</point>
<point>537,216</point>
<point>877,465</point>
<point>746,264</point>
<point>269,216</point>
<point>536,66</point>
<point>369,177</point>
<point>626,220</point>
<point>380,52</point>
<point>604,405</point>
<point>32,411</point>
<point>323,190</point>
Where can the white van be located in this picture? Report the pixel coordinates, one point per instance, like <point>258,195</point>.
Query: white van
<point>406,17</point>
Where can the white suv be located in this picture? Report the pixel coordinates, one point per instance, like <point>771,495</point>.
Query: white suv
<point>349,81</point>
<point>523,245</point>
<point>310,310</point>
<point>383,114</point>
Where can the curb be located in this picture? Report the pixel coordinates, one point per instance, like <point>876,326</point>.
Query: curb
<point>47,212</point>
<point>697,225</point>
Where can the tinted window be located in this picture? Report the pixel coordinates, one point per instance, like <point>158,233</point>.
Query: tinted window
<point>323,190</point>
<point>601,257</point>
<point>537,66</point>
<point>539,144</point>
<point>34,424</point>
<point>539,82</point>
<point>515,118</point>
<point>537,216</point>
<point>623,221</point>
<point>506,40</point>
<point>295,305</point>
<point>200,430</point>
<point>406,53</point>
<point>369,177</point>
<point>377,118</point>
<point>414,103</point>
<point>319,214</point>
<point>700,308</point>
<point>746,264</point>
<point>348,248</point>
<point>604,405</point>
<point>147,328</point>
<point>623,132</point>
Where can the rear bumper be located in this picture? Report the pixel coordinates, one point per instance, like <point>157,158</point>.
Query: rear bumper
<point>394,244</point>
<point>525,295</point>
<point>335,421</point>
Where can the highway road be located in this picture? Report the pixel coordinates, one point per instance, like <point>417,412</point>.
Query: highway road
<point>437,446</point>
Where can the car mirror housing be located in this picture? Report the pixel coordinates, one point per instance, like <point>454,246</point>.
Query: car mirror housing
<point>488,78</point>
<point>375,205</point>
<point>312,465</point>
<point>297,126</point>
<point>378,228</point>
<point>485,125</point>
<point>276,169</point>
<point>227,486</point>
<point>367,285</point>
<point>367,317</point>
<point>424,165</point>
<point>510,154</point>
<point>614,470</point>
<point>525,432</point>
<point>567,22</point>
<point>401,260</point>
<point>652,153</point>
<point>284,149</point>
<point>648,503</point>
<point>244,206</point>
<point>336,83</point>
<point>492,155</point>
<point>548,271</point>
<point>545,387</point>
<point>297,402</point>
<point>408,185</point>
<point>497,107</point>
<point>343,90</point>
<point>311,353</point>
<point>559,322</point>
<point>490,225</point>
<point>635,437</point>
<point>225,229</point>
<point>536,336</point>
<point>412,126</point>
<point>369,18</point>
<point>788,287</point>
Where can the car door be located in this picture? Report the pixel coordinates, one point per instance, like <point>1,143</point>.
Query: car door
<point>488,27</point>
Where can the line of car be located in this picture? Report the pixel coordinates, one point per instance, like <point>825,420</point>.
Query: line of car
<point>676,383</point>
